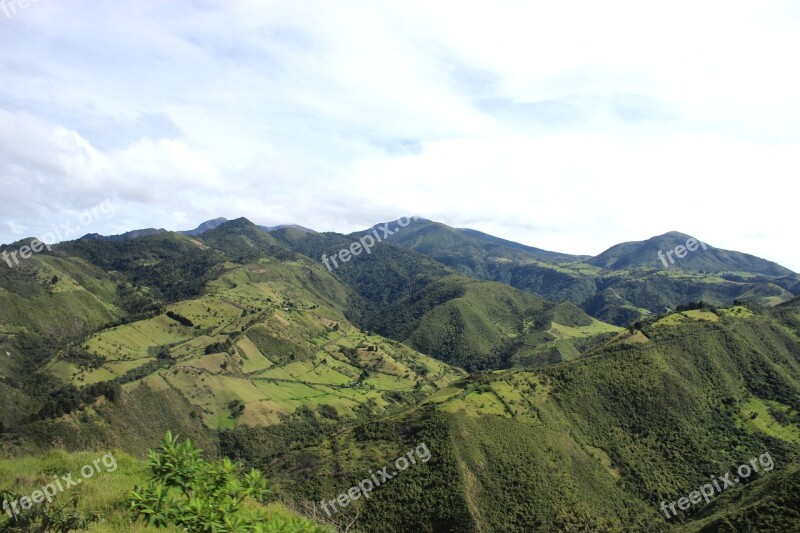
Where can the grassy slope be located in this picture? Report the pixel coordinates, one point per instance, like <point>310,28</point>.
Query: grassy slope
<point>642,420</point>
<point>104,493</point>
<point>595,443</point>
<point>81,299</point>
<point>45,301</point>
<point>480,325</point>
<point>620,286</point>
<point>269,334</point>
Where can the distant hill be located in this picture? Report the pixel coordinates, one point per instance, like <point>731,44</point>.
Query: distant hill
<point>134,234</point>
<point>481,325</point>
<point>297,227</point>
<point>535,252</point>
<point>199,230</point>
<point>468,252</point>
<point>705,258</point>
<point>241,239</point>
<point>205,226</point>
<point>619,286</point>
<point>625,283</point>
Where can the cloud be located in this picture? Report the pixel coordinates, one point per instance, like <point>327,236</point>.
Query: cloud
<point>569,125</point>
<point>16,229</point>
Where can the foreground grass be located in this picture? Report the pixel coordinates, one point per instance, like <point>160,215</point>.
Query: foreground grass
<point>105,493</point>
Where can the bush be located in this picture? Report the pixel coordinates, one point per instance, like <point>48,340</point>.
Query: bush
<point>46,516</point>
<point>186,491</point>
<point>180,319</point>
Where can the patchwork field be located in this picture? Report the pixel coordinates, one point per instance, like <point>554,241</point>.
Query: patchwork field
<point>255,348</point>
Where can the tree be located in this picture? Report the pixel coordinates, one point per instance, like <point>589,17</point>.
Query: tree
<point>185,490</point>
<point>237,408</point>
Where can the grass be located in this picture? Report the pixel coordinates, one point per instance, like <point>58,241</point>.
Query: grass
<point>208,313</point>
<point>104,493</point>
<point>756,416</point>
<point>595,328</point>
<point>475,403</point>
<point>254,360</point>
<point>133,341</point>
<point>314,355</point>
<point>287,395</point>
<point>702,314</point>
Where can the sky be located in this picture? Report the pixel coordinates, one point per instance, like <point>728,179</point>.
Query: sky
<point>569,126</point>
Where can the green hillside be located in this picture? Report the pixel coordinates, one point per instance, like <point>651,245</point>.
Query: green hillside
<point>467,251</point>
<point>482,325</point>
<point>537,416</point>
<point>697,257</point>
<point>592,444</point>
<point>101,501</point>
<point>623,284</point>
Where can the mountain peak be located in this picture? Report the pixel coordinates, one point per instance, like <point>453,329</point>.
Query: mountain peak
<point>689,256</point>
<point>673,235</point>
<point>134,234</point>
<point>205,226</point>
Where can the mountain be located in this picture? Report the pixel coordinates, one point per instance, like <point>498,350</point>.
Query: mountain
<point>134,234</point>
<point>536,253</point>
<point>270,229</point>
<point>619,286</point>
<point>592,444</point>
<point>242,240</point>
<point>199,230</point>
<point>536,415</point>
<point>479,325</point>
<point>205,226</point>
<point>648,254</point>
<point>454,318</point>
<point>253,320</point>
<point>402,272</point>
<point>627,282</point>
<point>468,252</point>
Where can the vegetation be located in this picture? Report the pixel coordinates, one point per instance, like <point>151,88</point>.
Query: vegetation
<point>46,517</point>
<point>619,286</point>
<point>187,491</point>
<point>538,416</point>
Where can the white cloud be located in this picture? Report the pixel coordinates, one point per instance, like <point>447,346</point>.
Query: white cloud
<point>570,125</point>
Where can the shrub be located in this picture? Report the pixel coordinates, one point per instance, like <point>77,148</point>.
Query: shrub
<point>186,491</point>
<point>47,516</point>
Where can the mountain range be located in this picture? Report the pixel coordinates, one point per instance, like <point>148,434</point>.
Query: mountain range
<point>625,283</point>
<point>199,230</point>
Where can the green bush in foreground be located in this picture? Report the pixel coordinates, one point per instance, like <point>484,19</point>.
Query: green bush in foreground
<point>187,491</point>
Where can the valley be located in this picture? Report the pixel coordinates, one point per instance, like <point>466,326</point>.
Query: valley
<point>539,415</point>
